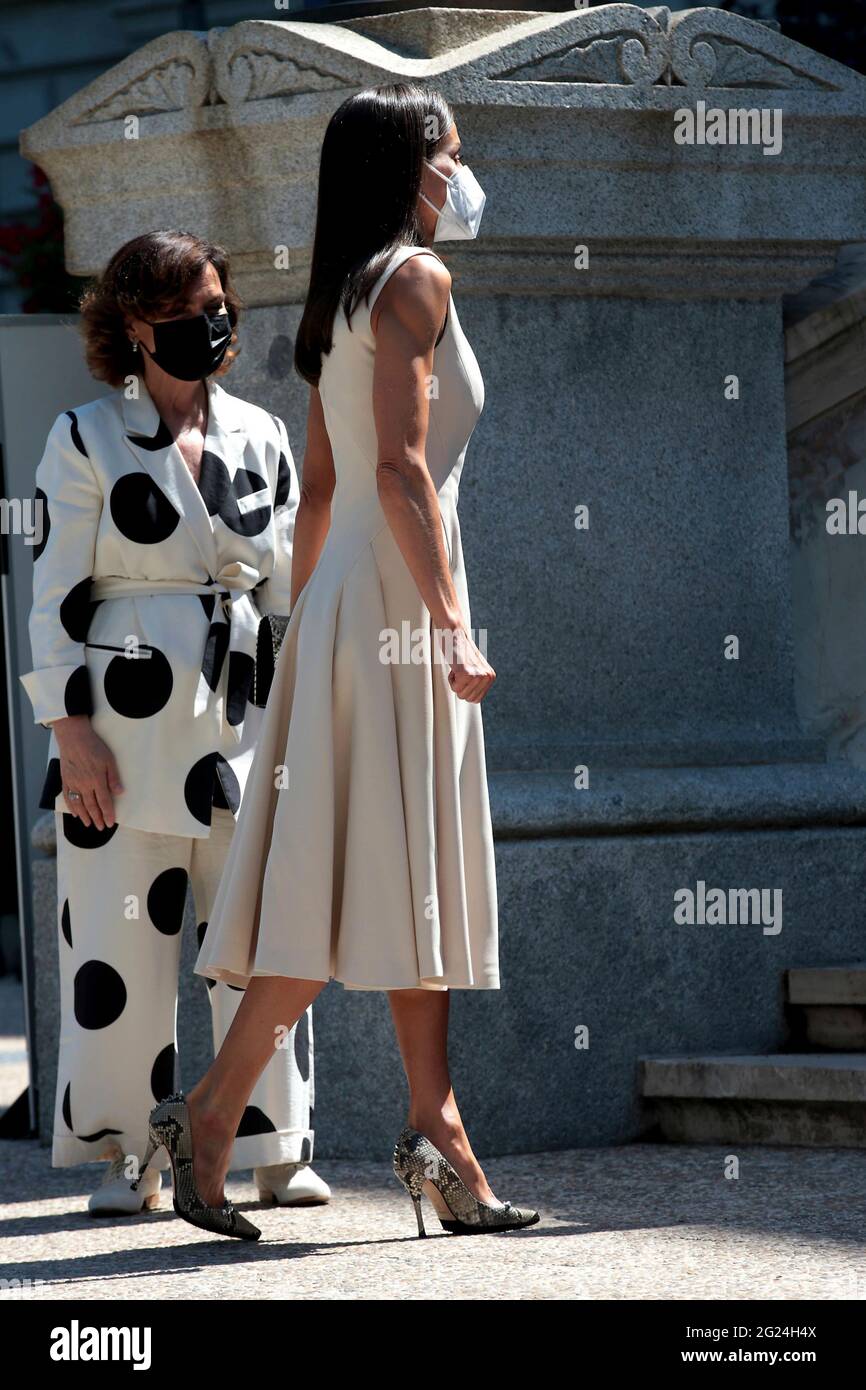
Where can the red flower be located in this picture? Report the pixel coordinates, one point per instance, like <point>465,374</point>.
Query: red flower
<point>33,251</point>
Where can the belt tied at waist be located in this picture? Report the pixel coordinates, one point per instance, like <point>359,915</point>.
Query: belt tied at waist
<point>235,633</point>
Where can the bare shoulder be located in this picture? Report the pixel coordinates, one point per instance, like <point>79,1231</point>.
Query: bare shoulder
<point>423,272</point>
<point>415,295</point>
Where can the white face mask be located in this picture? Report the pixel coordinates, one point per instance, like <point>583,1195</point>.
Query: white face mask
<point>460,214</point>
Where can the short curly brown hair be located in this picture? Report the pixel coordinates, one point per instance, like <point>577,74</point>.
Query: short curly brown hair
<point>148,277</point>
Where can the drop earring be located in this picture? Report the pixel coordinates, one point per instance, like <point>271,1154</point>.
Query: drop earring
<point>134,344</point>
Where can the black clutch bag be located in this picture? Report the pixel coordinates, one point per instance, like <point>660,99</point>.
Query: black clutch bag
<point>268,642</point>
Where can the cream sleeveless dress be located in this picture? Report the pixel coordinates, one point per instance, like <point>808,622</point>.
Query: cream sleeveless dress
<point>363,850</point>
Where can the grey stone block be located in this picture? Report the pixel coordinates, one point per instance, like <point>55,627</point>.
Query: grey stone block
<point>831,1002</point>
<point>826,1126</point>
<point>841,1029</point>
<point>774,1099</point>
<point>776,1076</point>
<point>830,984</point>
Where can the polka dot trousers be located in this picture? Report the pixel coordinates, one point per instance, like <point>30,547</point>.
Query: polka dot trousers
<point>120,913</point>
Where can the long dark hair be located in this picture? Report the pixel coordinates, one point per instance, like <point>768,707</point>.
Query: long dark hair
<point>369,181</point>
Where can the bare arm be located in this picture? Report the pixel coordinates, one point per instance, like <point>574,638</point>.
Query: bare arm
<point>273,596</point>
<point>407,318</point>
<point>317,487</point>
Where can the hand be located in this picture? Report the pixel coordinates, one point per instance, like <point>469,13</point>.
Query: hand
<point>87,766</point>
<point>471,676</point>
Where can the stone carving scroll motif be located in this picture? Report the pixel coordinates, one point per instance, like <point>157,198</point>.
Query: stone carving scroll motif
<point>172,73</point>
<point>254,76</point>
<point>624,45</point>
<point>170,87</point>
<point>616,45</point>
<point>181,71</point>
<point>712,48</point>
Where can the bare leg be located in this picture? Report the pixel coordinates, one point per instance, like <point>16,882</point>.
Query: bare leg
<point>421,1022</point>
<point>271,1006</point>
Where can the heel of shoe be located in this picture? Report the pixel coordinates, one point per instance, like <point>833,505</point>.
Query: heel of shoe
<point>419,1215</point>
<point>153,1144</point>
<point>411,1181</point>
<point>414,1191</point>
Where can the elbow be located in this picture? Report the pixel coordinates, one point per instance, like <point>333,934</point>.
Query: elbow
<point>399,479</point>
<point>315,496</point>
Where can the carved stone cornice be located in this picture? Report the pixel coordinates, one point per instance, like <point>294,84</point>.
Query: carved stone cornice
<point>656,269</point>
<point>705,50</point>
<point>228,125</point>
<point>172,74</point>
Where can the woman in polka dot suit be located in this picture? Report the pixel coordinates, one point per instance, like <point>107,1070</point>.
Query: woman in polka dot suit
<point>168,513</point>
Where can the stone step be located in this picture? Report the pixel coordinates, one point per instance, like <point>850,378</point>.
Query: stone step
<point>781,1098</point>
<point>829,1004</point>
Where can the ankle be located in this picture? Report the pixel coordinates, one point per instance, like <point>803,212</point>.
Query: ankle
<point>436,1125</point>
<point>210,1116</point>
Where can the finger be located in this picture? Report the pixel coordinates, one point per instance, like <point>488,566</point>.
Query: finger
<point>76,807</point>
<point>465,694</point>
<point>93,809</point>
<point>115,786</point>
<point>104,801</point>
<point>480,689</point>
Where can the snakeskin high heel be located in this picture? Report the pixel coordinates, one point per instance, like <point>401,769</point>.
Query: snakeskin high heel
<point>170,1126</point>
<point>420,1167</point>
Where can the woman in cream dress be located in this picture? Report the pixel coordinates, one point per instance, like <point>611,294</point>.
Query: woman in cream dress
<point>364,852</point>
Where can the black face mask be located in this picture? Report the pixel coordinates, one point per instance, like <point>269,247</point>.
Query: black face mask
<point>190,349</point>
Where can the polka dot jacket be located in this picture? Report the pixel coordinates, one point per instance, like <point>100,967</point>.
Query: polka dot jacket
<point>148,593</point>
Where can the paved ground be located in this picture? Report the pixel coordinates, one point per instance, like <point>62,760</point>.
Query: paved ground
<point>643,1221</point>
